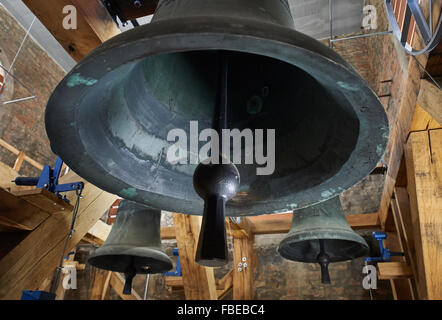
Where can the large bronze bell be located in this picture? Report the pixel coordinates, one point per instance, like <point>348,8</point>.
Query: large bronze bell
<point>321,234</point>
<point>222,64</point>
<point>110,116</point>
<point>134,244</point>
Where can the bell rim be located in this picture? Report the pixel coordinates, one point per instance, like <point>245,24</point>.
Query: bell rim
<point>285,247</point>
<point>252,31</point>
<point>100,258</point>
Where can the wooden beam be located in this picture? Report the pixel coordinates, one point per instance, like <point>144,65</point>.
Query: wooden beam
<point>430,99</point>
<point>198,281</point>
<point>424,174</point>
<point>94,24</point>
<point>17,214</point>
<point>393,270</point>
<point>399,131</point>
<point>224,285</point>
<point>243,276</point>
<point>239,230</point>
<point>401,211</point>
<point>117,283</point>
<point>38,254</point>
<point>43,199</point>
<point>281,223</point>
<point>422,120</point>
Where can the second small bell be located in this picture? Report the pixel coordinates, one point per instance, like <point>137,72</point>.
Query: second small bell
<point>321,234</point>
<point>133,245</point>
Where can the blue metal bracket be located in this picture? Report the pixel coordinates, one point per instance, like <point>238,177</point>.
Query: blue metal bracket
<point>177,272</point>
<point>385,254</point>
<point>49,180</point>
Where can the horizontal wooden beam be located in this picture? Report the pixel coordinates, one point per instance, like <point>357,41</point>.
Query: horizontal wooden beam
<point>281,223</point>
<point>94,24</point>
<point>17,214</point>
<point>393,270</point>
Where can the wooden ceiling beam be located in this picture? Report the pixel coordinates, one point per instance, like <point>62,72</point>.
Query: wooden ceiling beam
<point>94,24</point>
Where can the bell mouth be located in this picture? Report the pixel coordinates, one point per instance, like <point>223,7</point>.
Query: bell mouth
<point>144,260</point>
<point>336,249</point>
<point>117,106</point>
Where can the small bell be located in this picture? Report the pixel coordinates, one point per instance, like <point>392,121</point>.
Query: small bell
<point>321,234</point>
<point>134,244</point>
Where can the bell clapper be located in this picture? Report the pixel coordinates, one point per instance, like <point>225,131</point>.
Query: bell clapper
<point>129,274</point>
<point>216,184</point>
<point>323,260</point>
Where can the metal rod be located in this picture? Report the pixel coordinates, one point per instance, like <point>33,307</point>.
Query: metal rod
<point>146,286</point>
<point>423,68</point>
<point>19,50</point>
<point>362,36</point>
<point>19,100</point>
<point>16,79</point>
<point>330,11</point>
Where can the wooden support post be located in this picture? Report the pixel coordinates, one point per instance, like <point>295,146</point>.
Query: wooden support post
<point>198,281</point>
<point>423,156</point>
<point>100,284</point>
<point>94,24</point>
<point>243,276</point>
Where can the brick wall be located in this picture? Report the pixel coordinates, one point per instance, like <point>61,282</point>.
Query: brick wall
<point>22,123</point>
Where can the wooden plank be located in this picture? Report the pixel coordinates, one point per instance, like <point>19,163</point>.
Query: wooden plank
<point>44,199</point>
<point>19,161</point>
<point>17,152</point>
<point>224,285</point>
<point>393,270</point>
<point>94,24</point>
<point>281,223</point>
<point>17,214</point>
<point>167,233</point>
<point>117,283</point>
<point>198,281</point>
<point>406,289</point>
<point>430,99</point>
<point>402,217</point>
<point>38,254</point>
<point>100,284</point>
<point>422,120</point>
<point>399,132</point>
<point>241,229</point>
<point>424,173</point>
<point>243,276</point>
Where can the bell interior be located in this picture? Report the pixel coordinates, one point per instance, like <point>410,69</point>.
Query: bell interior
<point>336,249</point>
<point>138,103</point>
<point>121,263</point>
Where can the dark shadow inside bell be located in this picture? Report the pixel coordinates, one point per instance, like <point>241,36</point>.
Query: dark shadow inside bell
<point>142,101</point>
<point>336,249</point>
<point>121,263</point>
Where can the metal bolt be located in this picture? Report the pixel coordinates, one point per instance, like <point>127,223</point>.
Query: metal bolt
<point>240,264</point>
<point>137,3</point>
<point>62,208</point>
<point>245,265</point>
<point>239,269</point>
<point>244,259</point>
<point>55,203</point>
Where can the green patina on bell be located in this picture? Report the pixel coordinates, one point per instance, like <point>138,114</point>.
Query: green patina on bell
<point>134,244</point>
<point>110,117</point>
